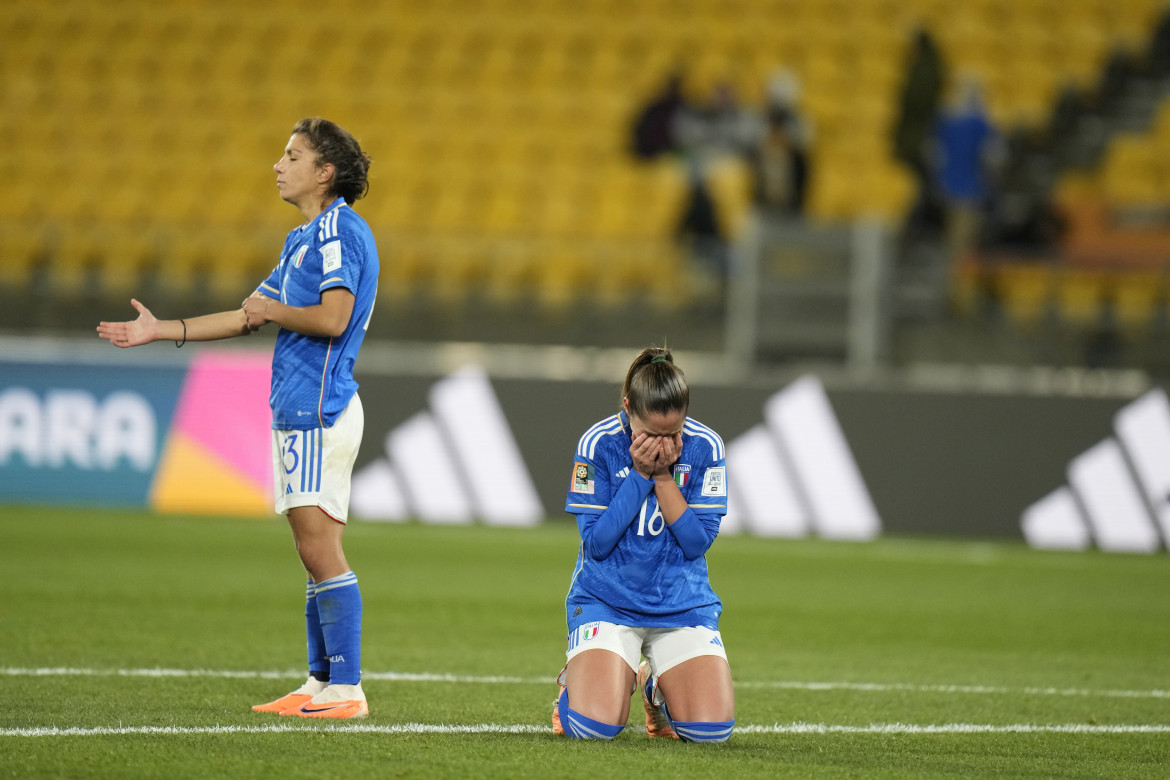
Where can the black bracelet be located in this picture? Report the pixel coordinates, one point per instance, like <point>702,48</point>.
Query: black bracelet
<point>184,341</point>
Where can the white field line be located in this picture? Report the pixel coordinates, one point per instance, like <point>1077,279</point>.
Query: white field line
<point>505,680</point>
<point>495,728</point>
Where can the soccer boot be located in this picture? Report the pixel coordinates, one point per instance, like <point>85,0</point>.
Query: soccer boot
<point>556,708</point>
<point>556,716</point>
<point>657,724</point>
<point>291,702</point>
<point>336,701</point>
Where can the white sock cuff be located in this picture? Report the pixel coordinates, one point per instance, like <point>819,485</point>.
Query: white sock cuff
<point>340,581</point>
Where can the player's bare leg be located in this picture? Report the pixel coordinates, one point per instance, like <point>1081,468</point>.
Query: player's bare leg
<point>596,697</point>
<point>318,542</point>
<point>699,689</point>
<point>695,700</point>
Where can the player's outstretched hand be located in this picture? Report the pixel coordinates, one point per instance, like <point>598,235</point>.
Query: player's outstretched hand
<point>131,334</point>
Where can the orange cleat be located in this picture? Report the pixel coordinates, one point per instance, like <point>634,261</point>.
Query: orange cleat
<point>657,724</point>
<point>336,701</point>
<point>290,703</point>
<point>556,713</point>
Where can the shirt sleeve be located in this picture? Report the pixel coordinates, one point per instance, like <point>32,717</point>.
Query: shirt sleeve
<point>696,528</point>
<point>695,533</point>
<point>342,259</point>
<point>271,285</point>
<point>600,532</point>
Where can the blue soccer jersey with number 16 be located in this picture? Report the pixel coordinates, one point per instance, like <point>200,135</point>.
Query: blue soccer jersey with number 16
<point>646,578</point>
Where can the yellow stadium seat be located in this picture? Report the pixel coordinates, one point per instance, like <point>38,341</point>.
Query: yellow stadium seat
<point>502,122</point>
<point>1080,296</point>
<point>1025,292</point>
<point>1130,172</point>
<point>76,252</point>
<point>22,247</point>
<point>564,273</point>
<point>128,251</point>
<point>1136,298</point>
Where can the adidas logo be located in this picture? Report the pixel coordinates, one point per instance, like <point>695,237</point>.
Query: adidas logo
<point>1118,492</point>
<point>455,462</point>
<point>794,474</point>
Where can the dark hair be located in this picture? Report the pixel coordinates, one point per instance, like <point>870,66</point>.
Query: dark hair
<point>337,147</point>
<point>655,385</point>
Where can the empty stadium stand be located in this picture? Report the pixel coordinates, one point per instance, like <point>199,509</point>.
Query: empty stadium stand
<point>140,135</point>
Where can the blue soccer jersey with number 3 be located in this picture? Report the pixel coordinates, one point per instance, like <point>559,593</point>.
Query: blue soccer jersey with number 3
<point>312,376</point>
<point>633,569</point>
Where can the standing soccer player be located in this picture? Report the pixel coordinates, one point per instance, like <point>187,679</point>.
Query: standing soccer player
<point>321,295</point>
<point>649,491</point>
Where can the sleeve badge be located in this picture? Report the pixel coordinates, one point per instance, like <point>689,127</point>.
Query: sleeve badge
<point>582,478</point>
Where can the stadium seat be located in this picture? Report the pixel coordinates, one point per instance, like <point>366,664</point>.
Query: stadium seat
<point>1025,292</point>
<point>22,246</point>
<point>1080,296</point>
<point>450,98</point>
<point>1137,297</point>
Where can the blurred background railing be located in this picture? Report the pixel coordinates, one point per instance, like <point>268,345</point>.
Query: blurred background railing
<point>1006,164</point>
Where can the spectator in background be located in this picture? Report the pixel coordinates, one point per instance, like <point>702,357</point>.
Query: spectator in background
<point>1158,54</point>
<point>780,160</point>
<point>718,127</point>
<point>780,167</point>
<point>711,133</point>
<point>783,96</point>
<point>967,149</point>
<point>654,127</point>
<point>918,109</point>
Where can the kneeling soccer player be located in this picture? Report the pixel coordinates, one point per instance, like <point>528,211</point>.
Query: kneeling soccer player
<point>649,491</point>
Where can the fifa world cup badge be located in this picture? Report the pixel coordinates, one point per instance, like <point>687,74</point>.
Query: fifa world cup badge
<point>582,478</point>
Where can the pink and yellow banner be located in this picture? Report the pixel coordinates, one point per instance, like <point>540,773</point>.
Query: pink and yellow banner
<point>217,458</point>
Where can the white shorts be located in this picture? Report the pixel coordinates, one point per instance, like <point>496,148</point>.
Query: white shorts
<point>664,648</point>
<point>313,467</point>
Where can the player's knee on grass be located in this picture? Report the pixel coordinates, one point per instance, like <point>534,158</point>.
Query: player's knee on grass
<point>699,731</point>
<point>578,726</point>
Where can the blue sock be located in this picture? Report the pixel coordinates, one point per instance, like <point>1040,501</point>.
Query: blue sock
<point>578,726</point>
<point>717,731</point>
<point>339,602</point>
<point>318,662</point>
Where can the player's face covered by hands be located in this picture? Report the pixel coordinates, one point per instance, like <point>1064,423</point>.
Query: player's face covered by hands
<point>656,442</point>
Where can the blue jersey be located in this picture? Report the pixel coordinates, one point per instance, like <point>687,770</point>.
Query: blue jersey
<point>634,569</point>
<point>312,377</point>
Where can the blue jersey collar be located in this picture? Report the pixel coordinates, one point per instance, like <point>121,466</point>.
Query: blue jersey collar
<point>337,203</point>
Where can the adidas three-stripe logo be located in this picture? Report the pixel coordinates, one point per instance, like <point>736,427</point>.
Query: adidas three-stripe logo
<point>1118,492</point>
<point>794,474</point>
<point>328,225</point>
<point>454,462</point>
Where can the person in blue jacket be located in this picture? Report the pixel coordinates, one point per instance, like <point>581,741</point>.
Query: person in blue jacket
<point>649,490</point>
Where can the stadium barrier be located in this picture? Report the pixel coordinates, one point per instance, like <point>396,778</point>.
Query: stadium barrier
<point>188,432</point>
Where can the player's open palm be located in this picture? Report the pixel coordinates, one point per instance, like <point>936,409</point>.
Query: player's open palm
<point>133,333</point>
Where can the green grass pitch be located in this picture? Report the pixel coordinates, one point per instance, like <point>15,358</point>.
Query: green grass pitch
<point>132,645</point>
